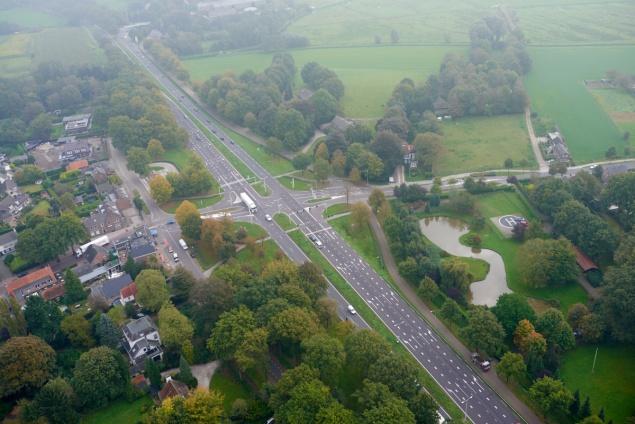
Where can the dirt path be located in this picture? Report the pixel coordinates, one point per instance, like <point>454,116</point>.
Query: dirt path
<point>542,164</point>
<point>409,292</point>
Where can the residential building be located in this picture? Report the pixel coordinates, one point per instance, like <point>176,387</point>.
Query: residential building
<point>70,152</point>
<point>8,242</point>
<point>141,248</point>
<point>337,125</point>
<point>110,289</point>
<point>77,124</point>
<point>173,388</point>
<point>128,294</point>
<point>141,341</point>
<point>104,220</point>
<point>32,283</point>
<point>54,292</point>
<point>12,206</point>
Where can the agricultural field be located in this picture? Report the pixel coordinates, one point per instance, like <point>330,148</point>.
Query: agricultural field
<point>28,18</point>
<point>611,385</point>
<point>483,143</point>
<point>368,73</point>
<point>557,91</point>
<point>71,46</point>
<point>357,22</point>
<point>620,106</point>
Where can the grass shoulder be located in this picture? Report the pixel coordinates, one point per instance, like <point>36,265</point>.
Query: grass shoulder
<point>283,220</point>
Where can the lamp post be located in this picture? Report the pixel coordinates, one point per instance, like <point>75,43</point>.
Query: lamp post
<point>465,402</point>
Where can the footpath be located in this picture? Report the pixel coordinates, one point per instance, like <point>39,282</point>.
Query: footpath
<point>409,292</point>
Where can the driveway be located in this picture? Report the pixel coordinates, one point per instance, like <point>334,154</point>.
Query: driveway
<point>202,372</point>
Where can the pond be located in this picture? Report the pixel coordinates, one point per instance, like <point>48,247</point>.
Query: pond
<point>445,233</point>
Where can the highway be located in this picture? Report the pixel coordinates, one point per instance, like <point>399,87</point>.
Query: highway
<point>464,385</point>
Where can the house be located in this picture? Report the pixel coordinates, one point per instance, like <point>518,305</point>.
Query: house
<point>110,289</point>
<point>77,124</point>
<point>173,388</point>
<point>11,206</point>
<point>139,382</point>
<point>141,341</point>
<point>32,283</point>
<point>96,255</point>
<point>128,294</point>
<point>104,220</point>
<point>54,292</point>
<point>73,151</point>
<point>141,248</point>
<point>337,125</point>
<point>409,155</point>
<point>556,148</point>
<point>87,273</point>
<point>8,242</point>
<point>77,165</point>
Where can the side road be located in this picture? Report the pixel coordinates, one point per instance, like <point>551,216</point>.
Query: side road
<point>409,292</point>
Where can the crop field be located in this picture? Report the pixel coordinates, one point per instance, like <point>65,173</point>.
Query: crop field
<point>611,385</point>
<point>557,91</point>
<point>28,18</point>
<point>358,22</point>
<point>368,73</point>
<point>478,144</point>
<point>620,106</point>
<point>71,46</point>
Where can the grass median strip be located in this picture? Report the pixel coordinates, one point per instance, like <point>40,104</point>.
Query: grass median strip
<point>371,318</point>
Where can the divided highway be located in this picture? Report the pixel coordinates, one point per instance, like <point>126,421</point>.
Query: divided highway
<point>479,402</point>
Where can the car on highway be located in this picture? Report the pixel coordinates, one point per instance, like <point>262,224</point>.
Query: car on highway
<point>351,310</point>
<point>268,217</point>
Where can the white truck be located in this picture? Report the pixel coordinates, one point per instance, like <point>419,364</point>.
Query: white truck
<point>251,205</point>
<point>99,241</point>
<point>183,244</point>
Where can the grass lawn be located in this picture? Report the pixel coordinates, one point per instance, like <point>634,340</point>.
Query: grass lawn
<point>557,91</point>
<point>611,385</point>
<point>294,183</point>
<point>477,267</point>
<point>258,257</point>
<point>335,209</point>
<point>621,108</point>
<point>224,381</point>
<point>275,164</point>
<point>120,411</point>
<point>503,203</point>
<point>483,143</point>
<point>284,221</point>
<point>42,208</point>
<point>31,188</point>
<point>178,157</point>
<point>368,73</point>
<point>29,18</point>
<point>200,202</point>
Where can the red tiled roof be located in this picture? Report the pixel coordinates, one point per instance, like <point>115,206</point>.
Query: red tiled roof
<point>138,379</point>
<point>78,164</point>
<point>173,388</point>
<point>583,260</point>
<point>128,291</point>
<point>30,278</point>
<point>53,292</point>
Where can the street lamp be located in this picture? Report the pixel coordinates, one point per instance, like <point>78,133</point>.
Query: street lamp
<point>465,402</point>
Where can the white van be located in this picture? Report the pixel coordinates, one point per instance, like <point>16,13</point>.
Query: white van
<point>175,256</point>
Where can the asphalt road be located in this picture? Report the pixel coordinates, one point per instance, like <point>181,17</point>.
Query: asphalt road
<point>480,403</point>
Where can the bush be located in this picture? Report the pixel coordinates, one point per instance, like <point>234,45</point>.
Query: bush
<point>595,277</point>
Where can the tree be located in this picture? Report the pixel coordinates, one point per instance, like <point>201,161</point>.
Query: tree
<point>461,202</point>
<point>508,164</point>
<point>616,305</point>
<point>304,403</point>
<point>200,407</point>
<point>153,373</point>
<point>28,174</point>
<point>322,169</point>
<point>394,411</point>
<point>152,291</point>
<point>354,175</point>
<point>558,334</point>
<point>324,106</point>
<point>155,149</point>
<point>208,300</point>
<point>358,133</point>
<point>359,218</point>
<point>592,328</point>
<point>325,354</point>
<point>531,344</point>
<point>551,396</point>
<point>26,363</point>
<point>189,219</point>
<point>484,332</point>
<point>593,419</point>
<point>78,330</point>
<point>427,149</point>
<point>576,312</point>
<point>108,333</point>
<point>301,161</point>
<point>41,127</point>
<point>625,253</point>
<point>56,402</point>
<point>292,326</point>
<point>160,189</point>
<point>396,372</point>
<point>511,308</point>
<point>11,317</point>
<point>274,146</point>
<point>43,318</point>
<point>511,366</point>
<point>138,160</point>
<point>230,331</point>
<point>291,379</point>
<point>387,146</point>
<point>73,289</point>
<point>547,262</point>
<point>174,327</point>
<point>364,347</point>
<point>376,199</point>
<point>253,352</point>
<point>185,373</point>
<point>100,376</point>
<point>451,311</point>
<point>424,408</point>
<point>181,283</point>
<point>585,409</point>
<point>455,276</point>
<point>50,237</point>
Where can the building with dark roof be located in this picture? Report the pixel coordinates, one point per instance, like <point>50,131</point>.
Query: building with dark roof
<point>110,289</point>
<point>173,388</point>
<point>8,242</point>
<point>104,220</point>
<point>141,248</point>
<point>142,341</point>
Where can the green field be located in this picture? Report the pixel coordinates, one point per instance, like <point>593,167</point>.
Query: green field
<point>335,209</point>
<point>368,73</point>
<point>611,385</point>
<point>120,411</point>
<point>28,18</point>
<point>294,183</point>
<point>620,106</point>
<point>69,45</point>
<point>224,381</point>
<point>557,91</point>
<point>357,22</point>
<point>283,220</point>
<point>480,144</point>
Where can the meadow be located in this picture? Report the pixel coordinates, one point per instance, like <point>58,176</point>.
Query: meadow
<point>29,18</point>
<point>620,106</point>
<point>69,45</point>
<point>483,143</point>
<point>557,91</point>
<point>368,73</point>
<point>611,385</point>
<point>358,22</point>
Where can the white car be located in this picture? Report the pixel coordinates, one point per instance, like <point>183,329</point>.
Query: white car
<point>351,310</point>
<point>268,217</point>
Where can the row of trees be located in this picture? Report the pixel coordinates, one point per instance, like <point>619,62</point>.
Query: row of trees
<point>166,58</point>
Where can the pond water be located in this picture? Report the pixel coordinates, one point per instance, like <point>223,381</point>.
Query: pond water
<point>445,233</point>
